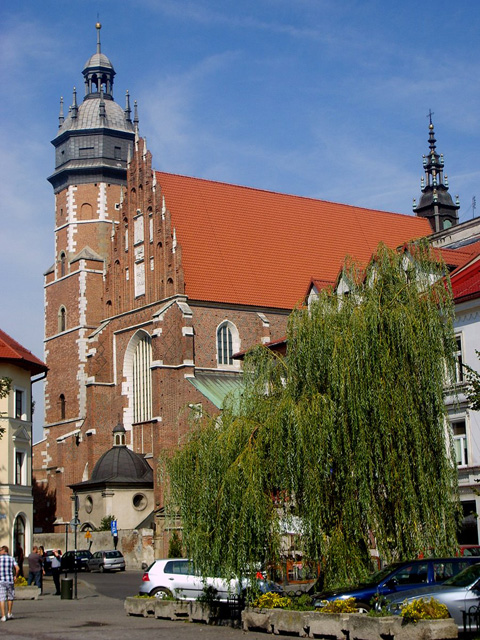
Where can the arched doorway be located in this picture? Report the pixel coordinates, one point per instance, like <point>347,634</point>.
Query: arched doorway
<point>19,541</point>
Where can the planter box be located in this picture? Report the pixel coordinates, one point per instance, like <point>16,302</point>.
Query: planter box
<point>345,625</point>
<point>329,624</point>
<point>201,612</point>
<point>423,629</point>
<point>27,593</point>
<point>172,609</point>
<point>285,621</point>
<point>140,606</point>
<point>257,619</point>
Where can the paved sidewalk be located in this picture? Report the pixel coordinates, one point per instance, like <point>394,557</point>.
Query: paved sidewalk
<point>98,618</point>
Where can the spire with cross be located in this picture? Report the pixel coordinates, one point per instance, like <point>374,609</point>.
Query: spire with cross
<point>436,203</point>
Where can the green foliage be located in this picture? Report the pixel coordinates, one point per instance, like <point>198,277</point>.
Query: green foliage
<point>302,602</point>
<point>20,581</point>
<point>209,595</point>
<point>344,438</point>
<point>423,609</point>
<point>472,379</point>
<point>175,547</point>
<point>5,387</point>
<point>105,523</point>
<point>347,605</point>
<point>272,601</point>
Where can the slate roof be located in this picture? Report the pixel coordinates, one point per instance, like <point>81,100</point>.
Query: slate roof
<point>251,247</point>
<point>119,466</point>
<point>88,117</point>
<point>12,352</point>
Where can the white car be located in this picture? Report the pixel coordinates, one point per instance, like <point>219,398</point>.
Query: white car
<point>176,577</point>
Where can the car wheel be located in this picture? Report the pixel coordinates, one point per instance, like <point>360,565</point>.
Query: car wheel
<point>122,569</point>
<point>101,568</point>
<point>363,608</point>
<point>160,593</point>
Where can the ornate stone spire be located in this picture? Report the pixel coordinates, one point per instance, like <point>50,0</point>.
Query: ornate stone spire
<point>128,111</point>
<point>436,203</point>
<point>61,118</point>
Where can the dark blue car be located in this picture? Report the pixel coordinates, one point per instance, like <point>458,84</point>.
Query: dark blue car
<point>397,577</point>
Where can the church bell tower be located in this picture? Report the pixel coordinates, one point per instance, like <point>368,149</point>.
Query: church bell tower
<point>93,144</point>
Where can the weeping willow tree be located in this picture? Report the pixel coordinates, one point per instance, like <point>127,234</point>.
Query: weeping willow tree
<point>344,438</point>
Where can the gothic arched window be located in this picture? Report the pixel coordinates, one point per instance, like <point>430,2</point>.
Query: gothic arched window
<point>142,380</point>
<point>62,406</point>
<point>228,343</point>
<point>62,319</point>
<point>62,264</point>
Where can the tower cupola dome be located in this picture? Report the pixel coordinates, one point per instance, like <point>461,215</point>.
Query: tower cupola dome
<point>98,73</point>
<point>95,138</point>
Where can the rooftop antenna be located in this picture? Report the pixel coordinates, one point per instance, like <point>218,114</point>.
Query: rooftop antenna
<point>474,206</point>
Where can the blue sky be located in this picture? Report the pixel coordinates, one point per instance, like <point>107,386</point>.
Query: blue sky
<point>322,98</point>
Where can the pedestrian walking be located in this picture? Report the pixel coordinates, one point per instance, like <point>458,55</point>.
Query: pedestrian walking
<point>35,568</point>
<point>8,572</point>
<point>56,565</point>
<point>19,557</point>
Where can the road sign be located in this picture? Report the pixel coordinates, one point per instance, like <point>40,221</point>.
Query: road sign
<point>88,535</point>
<point>113,528</point>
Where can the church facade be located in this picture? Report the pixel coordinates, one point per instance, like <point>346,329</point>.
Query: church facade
<point>158,280</point>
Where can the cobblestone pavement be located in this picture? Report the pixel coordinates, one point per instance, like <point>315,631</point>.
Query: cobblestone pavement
<point>99,617</point>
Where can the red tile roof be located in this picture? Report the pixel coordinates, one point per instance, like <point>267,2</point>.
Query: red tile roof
<point>466,281</point>
<point>12,352</point>
<point>251,247</point>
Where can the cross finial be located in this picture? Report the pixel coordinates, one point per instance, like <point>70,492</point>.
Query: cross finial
<point>430,114</point>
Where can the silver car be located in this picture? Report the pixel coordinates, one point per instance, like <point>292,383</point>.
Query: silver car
<point>458,594</point>
<point>177,577</point>
<point>106,561</point>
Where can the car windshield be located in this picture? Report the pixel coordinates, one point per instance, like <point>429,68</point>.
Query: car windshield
<point>465,578</point>
<point>379,576</point>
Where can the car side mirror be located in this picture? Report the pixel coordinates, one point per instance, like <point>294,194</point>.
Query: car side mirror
<point>392,583</point>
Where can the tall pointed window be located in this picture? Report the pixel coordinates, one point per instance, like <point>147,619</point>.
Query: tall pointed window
<point>62,264</point>
<point>62,406</point>
<point>142,380</point>
<point>62,319</point>
<point>228,343</point>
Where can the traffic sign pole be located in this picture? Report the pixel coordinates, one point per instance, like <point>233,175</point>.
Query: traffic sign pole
<point>75,575</point>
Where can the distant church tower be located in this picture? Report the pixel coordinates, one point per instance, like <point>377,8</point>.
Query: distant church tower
<point>436,203</point>
<point>92,147</point>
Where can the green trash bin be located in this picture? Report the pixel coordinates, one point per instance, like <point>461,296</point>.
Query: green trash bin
<point>66,588</point>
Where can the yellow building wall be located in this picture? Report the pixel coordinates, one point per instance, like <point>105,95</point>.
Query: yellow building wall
<point>16,501</point>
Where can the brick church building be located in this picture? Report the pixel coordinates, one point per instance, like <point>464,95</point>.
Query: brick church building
<point>158,279</point>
